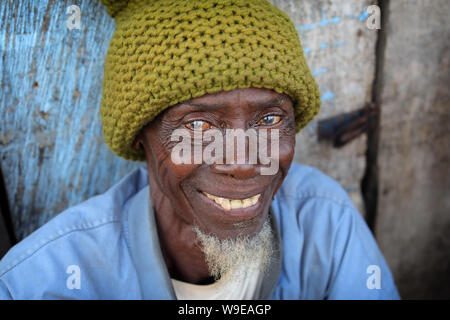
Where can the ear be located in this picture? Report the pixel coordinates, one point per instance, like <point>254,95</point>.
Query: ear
<point>138,144</point>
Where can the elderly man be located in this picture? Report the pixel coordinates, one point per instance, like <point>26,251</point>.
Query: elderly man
<point>209,218</point>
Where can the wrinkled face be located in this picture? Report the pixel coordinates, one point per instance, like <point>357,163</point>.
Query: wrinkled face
<point>225,200</point>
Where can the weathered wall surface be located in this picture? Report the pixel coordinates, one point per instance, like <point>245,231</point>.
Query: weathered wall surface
<point>51,146</point>
<point>413,221</point>
<point>340,51</point>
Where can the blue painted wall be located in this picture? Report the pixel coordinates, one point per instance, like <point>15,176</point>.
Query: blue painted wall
<point>51,146</point>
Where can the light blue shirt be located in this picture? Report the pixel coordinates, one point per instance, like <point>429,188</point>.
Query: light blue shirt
<point>107,248</point>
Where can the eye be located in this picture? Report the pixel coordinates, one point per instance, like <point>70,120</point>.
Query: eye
<point>269,120</point>
<point>198,125</point>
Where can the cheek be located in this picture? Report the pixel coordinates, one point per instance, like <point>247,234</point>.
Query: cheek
<point>287,149</point>
<point>168,175</point>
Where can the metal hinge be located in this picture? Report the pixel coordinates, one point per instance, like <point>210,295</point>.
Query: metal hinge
<point>343,128</point>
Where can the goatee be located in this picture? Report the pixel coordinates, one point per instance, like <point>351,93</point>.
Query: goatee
<point>232,257</point>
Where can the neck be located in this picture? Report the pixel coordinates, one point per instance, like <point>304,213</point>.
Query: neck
<point>180,247</point>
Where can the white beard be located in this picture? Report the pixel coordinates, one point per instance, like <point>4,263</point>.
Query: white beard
<point>233,257</point>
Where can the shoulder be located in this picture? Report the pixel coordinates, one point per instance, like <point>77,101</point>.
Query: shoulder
<point>311,208</point>
<point>308,198</point>
<point>79,235</point>
<point>326,238</point>
<point>303,182</point>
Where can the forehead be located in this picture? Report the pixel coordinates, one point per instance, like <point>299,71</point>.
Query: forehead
<point>243,99</point>
<point>243,96</point>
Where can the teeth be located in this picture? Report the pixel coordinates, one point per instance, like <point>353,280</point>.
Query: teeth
<point>231,204</point>
<point>236,204</point>
<point>225,203</point>
<point>247,203</point>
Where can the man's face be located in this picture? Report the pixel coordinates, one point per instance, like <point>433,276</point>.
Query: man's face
<point>199,194</point>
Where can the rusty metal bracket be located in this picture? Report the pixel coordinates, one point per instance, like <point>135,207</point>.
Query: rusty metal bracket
<point>343,128</point>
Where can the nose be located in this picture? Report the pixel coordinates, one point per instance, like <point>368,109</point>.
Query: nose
<point>237,171</point>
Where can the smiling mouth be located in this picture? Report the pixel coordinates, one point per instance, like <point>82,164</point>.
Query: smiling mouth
<point>232,204</point>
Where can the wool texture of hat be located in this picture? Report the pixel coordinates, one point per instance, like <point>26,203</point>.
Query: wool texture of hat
<point>164,52</point>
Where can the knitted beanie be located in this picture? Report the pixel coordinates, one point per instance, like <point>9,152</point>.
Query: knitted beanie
<point>164,52</point>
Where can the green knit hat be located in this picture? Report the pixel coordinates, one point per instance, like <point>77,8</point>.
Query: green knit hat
<point>164,52</point>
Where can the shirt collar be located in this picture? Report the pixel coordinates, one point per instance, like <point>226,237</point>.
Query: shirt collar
<point>152,272</point>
